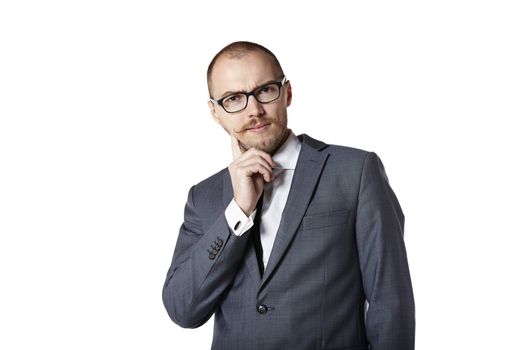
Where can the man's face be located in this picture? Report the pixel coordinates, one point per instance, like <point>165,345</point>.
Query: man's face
<point>262,126</point>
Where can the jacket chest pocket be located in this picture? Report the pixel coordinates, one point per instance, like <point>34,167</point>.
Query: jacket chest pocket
<point>322,220</point>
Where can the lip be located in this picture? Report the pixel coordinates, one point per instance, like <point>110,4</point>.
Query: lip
<point>259,128</point>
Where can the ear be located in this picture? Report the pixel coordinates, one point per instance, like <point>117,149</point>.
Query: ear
<point>214,112</point>
<point>288,93</point>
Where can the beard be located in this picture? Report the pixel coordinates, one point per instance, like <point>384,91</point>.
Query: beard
<point>277,135</point>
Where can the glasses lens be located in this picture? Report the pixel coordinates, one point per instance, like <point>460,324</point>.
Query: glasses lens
<point>268,93</point>
<point>234,103</point>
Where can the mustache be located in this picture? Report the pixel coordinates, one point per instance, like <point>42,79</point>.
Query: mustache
<point>251,124</point>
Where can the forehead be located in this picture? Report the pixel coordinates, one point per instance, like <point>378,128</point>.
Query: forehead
<point>242,73</point>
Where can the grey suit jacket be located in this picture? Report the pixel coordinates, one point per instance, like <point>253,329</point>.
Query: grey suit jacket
<point>339,244</point>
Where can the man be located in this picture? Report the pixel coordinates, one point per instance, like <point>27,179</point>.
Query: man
<point>289,243</point>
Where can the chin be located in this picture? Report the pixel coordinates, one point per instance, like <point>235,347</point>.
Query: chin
<point>269,147</point>
<point>265,146</point>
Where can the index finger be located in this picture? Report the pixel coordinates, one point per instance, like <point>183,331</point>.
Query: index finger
<point>236,149</point>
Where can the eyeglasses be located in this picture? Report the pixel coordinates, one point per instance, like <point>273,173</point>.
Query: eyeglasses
<point>263,94</point>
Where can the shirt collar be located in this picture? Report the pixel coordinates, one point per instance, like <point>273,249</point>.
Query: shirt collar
<point>287,155</point>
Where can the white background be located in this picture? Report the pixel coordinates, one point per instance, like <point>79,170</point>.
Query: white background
<point>104,127</point>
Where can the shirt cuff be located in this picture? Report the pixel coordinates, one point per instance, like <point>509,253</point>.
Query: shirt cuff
<point>237,220</point>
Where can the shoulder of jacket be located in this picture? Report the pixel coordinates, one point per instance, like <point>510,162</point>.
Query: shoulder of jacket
<point>338,150</point>
<point>211,184</point>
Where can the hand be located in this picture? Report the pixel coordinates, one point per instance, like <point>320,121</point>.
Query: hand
<point>248,171</point>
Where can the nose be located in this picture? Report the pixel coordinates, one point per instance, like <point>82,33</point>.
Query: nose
<point>254,107</point>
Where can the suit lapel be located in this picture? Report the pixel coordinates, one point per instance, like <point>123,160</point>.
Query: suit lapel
<point>250,258</point>
<point>306,175</point>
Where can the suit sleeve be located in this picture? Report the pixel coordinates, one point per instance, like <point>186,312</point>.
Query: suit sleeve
<point>390,321</point>
<point>203,266</point>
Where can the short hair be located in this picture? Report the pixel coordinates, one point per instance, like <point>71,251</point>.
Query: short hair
<point>239,49</point>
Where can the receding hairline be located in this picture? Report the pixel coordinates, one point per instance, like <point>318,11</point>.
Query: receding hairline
<point>238,50</point>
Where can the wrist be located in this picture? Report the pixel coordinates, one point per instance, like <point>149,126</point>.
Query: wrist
<point>246,208</point>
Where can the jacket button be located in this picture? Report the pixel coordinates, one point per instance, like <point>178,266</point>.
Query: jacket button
<point>211,256</point>
<point>262,309</point>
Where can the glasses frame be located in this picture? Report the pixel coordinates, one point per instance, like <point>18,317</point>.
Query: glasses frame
<point>280,83</point>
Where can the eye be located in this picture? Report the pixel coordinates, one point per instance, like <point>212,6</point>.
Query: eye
<point>265,90</point>
<point>270,89</point>
<point>233,99</point>
<point>267,93</point>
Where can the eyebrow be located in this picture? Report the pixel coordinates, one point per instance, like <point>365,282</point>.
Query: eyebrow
<point>228,93</point>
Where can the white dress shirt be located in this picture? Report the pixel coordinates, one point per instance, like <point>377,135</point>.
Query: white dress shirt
<point>275,196</point>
